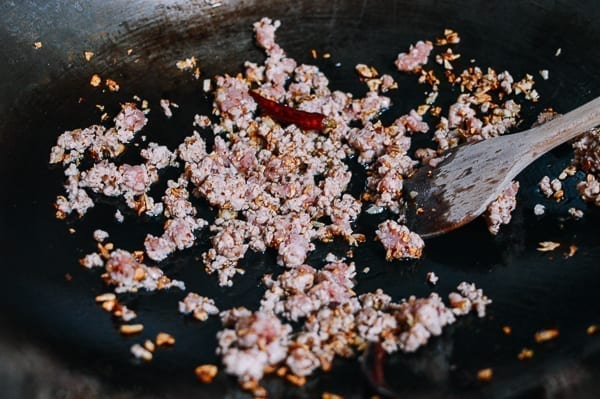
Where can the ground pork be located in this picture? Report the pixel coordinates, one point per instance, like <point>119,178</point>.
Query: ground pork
<point>199,306</point>
<point>127,274</point>
<point>499,211</point>
<point>587,151</point>
<point>398,241</point>
<point>416,56</point>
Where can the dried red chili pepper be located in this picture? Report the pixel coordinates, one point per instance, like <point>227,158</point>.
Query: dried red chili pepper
<point>284,114</point>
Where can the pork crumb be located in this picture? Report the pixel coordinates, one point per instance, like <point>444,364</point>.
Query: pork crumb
<point>398,241</point>
<point>499,211</point>
<point>200,307</point>
<point>416,56</point>
<point>539,209</point>
<point>166,105</point>
<point>432,278</point>
<point>469,297</point>
<point>100,235</point>
<point>575,213</point>
<point>92,260</point>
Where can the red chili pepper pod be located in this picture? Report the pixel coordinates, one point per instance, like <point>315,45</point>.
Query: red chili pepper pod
<point>286,115</point>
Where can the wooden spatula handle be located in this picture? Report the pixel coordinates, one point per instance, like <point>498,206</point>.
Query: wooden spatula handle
<point>563,128</point>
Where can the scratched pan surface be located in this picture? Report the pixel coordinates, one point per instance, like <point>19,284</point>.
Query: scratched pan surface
<point>45,91</point>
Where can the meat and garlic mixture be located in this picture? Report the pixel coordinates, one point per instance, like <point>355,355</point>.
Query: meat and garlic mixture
<point>398,241</point>
<point>417,55</point>
<point>335,322</point>
<point>276,174</point>
<point>587,158</point>
<point>499,211</point>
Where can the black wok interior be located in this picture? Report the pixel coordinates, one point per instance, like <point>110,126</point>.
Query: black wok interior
<point>46,91</point>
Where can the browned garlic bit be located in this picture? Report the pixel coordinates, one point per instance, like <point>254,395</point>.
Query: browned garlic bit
<point>206,373</point>
<point>112,85</point>
<point>149,345</point>
<point>485,375</point>
<point>446,58</point>
<point>572,251</point>
<point>164,339</point>
<point>546,335</point>
<point>95,80</point>
<point>131,329</point>
<point>546,246</point>
<point>186,64</point>
<point>525,354</point>
<point>450,37</point>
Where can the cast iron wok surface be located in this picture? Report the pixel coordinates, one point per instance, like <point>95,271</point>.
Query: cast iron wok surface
<point>46,91</point>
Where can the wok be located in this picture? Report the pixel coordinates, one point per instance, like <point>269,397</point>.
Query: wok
<point>45,91</point>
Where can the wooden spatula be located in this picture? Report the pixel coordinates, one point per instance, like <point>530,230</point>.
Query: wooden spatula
<point>460,188</point>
